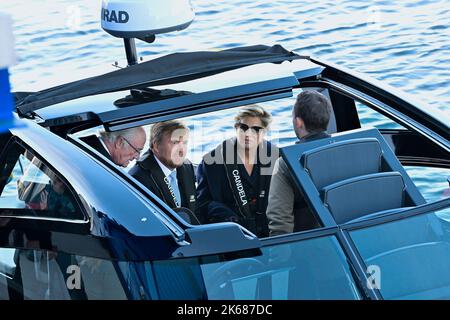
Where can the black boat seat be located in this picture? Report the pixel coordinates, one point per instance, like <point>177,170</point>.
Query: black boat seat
<point>356,197</point>
<point>351,175</point>
<point>342,160</point>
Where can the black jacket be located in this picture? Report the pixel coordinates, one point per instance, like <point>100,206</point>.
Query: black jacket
<point>95,143</point>
<point>218,198</point>
<point>304,219</point>
<point>148,172</point>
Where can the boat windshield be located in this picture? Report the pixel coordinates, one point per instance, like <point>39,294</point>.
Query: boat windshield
<point>309,269</point>
<point>409,258</point>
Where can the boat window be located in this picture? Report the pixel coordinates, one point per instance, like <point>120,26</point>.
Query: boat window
<point>7,272</point>
<point>372,118</point>
<point>309,269</point>
<point>408,258</point>
<point>209,130</point>
<point>30,188</point>
<point>49,275</point>
<point>304,269</point>
<point>432,182</point>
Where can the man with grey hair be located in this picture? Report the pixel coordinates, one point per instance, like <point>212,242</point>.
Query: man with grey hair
<point>164,169</point>
<point>287,210</point>
<point>119,146</point>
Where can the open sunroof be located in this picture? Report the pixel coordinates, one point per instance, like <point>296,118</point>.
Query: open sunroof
<point>170,69</point>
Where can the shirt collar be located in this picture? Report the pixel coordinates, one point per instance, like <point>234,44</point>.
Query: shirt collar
<point>164,169</point>
<point>104,145</point>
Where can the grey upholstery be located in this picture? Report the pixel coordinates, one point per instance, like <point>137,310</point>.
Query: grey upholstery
<point>342,160</point>
<point>355,197</point>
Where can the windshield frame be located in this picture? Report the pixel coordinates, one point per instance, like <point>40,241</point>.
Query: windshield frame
<point>393,216</point>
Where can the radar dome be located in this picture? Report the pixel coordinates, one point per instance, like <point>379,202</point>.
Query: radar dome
<point>145,18</point>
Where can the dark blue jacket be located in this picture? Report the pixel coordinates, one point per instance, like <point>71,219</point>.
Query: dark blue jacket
<point>216,201</point>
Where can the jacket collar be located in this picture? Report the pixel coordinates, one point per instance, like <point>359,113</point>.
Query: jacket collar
<point>314,136</point>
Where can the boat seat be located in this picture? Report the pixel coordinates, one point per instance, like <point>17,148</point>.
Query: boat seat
<point>359,196</point>
<point>331,163</point>
<point>350,175</point>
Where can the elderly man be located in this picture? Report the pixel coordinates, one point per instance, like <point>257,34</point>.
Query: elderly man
<point>119,146</point>
<point>287,211</point>
<point>164,169</point>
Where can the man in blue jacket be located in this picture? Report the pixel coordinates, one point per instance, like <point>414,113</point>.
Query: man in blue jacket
<point>234,178</point>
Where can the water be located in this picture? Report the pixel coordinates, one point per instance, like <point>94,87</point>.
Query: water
<point>403,43</point>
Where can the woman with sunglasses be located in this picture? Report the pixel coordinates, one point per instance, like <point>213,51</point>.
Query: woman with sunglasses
<point>234,178</point>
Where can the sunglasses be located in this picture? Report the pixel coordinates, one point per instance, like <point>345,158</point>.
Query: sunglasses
<point>245,127</point>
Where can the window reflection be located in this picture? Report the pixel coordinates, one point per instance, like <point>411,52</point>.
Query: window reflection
<point>50,275</point>
<point>412,256</point>
<point>33,189</point>
<point>309,269</point>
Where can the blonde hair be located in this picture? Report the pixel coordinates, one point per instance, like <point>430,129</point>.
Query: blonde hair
<point>159,129</point>
<point>254,110</point>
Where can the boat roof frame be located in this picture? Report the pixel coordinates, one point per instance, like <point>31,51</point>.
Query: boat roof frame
<point>171,69</point>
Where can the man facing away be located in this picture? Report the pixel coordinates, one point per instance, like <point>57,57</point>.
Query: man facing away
<point>164,169</point>
<point>287,210</point>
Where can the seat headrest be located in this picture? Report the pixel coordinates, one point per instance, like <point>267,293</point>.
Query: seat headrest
<point>359,196</point>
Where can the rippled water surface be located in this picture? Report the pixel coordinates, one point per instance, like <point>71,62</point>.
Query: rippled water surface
<point>403,43</point>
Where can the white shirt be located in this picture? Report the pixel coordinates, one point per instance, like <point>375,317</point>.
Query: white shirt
<point>104,145</point>
<point>164,169</point>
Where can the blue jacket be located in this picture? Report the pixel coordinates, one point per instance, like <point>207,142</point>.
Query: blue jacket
<point>216,201</point>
